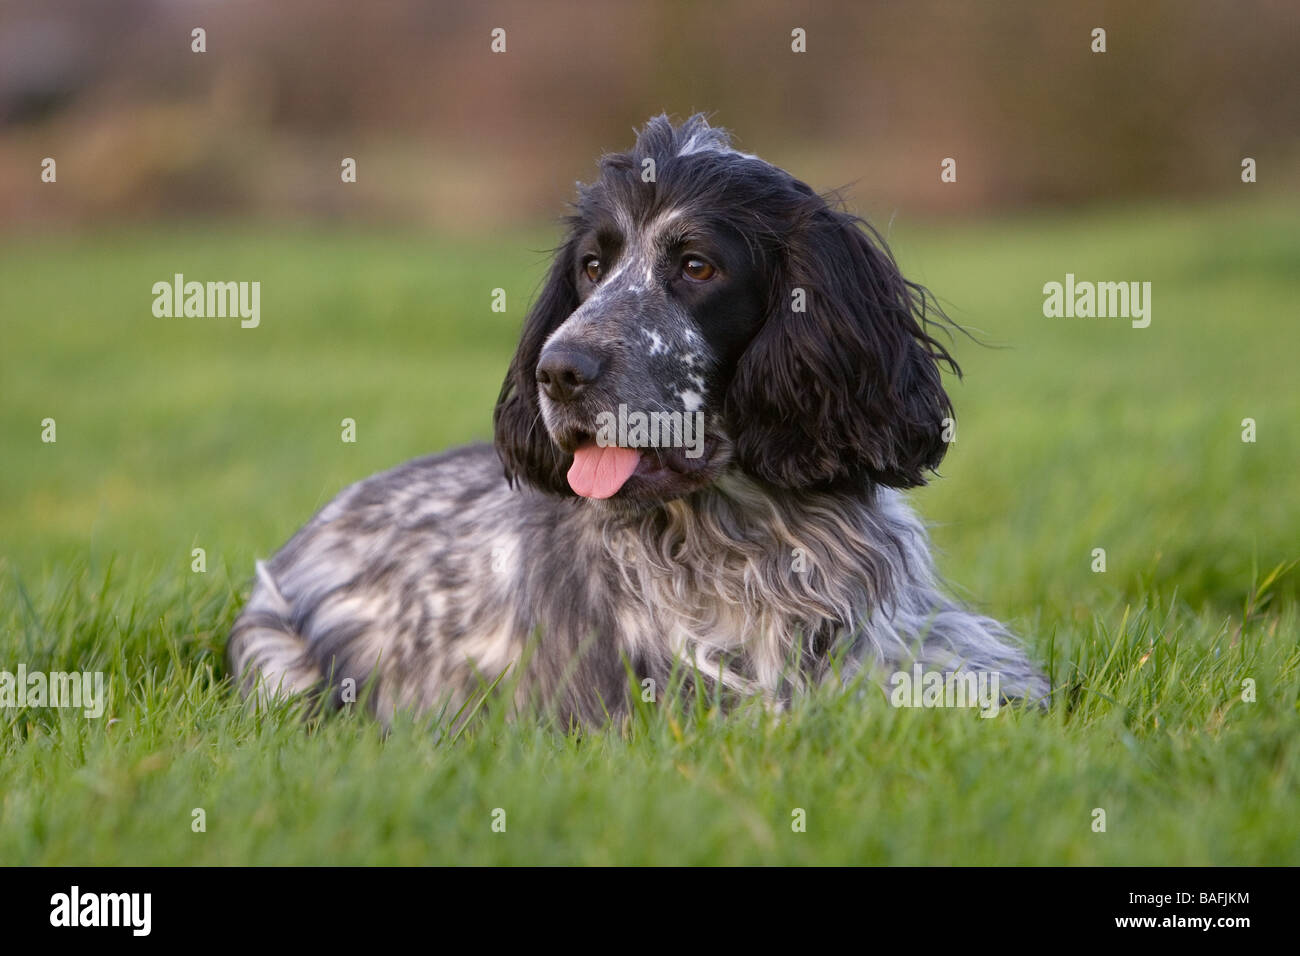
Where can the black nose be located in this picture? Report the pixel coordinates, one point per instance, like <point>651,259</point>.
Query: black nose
<point>564,372</point>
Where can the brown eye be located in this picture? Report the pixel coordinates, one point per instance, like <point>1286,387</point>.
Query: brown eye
<point>697,269</point>
<point>592,269</point>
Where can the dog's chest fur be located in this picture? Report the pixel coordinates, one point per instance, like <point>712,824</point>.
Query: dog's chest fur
<point>432,579</point>
<point>749,587</point>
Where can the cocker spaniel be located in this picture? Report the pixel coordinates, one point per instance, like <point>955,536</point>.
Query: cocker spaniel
<point>699,444</point>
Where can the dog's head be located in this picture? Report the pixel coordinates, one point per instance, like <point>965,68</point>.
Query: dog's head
<point>698,284</point>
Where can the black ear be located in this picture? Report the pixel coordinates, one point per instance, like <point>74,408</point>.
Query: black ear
<point>848,389</point>
<point>522,442</point>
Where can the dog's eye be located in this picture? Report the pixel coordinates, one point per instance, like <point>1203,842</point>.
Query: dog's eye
<point>697,269</point>
<point>592,269</point>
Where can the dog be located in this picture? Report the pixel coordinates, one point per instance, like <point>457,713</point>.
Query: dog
<point>763,548</point>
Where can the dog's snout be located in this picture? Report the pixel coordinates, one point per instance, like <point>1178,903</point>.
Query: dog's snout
<point>564,372</point>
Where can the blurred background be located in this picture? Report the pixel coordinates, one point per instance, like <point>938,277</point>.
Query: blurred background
<point>449,134</point>
<point>376,295</point>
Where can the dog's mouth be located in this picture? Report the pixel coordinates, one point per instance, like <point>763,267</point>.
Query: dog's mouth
<point>603,471</point>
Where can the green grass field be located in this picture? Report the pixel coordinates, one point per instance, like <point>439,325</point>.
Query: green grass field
<point>1074,434</point>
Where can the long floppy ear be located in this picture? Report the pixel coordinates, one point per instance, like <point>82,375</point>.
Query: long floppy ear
<point>522,442</point>
<point>848,389</point>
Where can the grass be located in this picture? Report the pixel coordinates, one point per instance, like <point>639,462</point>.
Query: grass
<point>1079,434</point>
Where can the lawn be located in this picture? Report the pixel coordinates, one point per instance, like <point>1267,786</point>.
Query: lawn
<point>1072,435</point>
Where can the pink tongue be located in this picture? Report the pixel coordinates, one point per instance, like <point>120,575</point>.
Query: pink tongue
<point>599,472</point>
